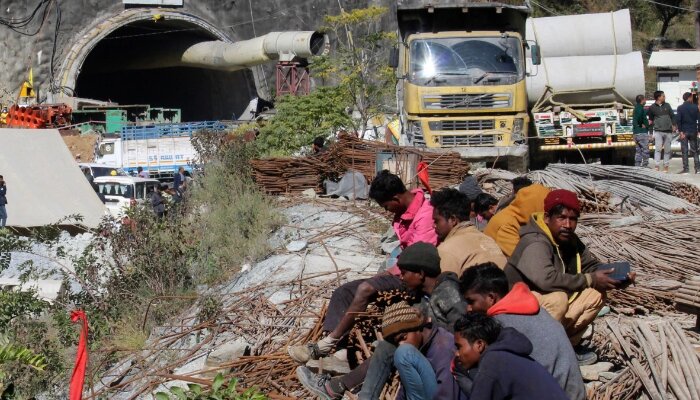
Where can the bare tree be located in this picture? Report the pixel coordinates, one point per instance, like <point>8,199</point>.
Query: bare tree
<point>668,10</point>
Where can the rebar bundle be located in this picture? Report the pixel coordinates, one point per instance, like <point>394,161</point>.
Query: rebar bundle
<point>658,360</point>
<point>296,174</point>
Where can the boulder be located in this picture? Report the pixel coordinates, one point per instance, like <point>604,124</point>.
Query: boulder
<point>592,372</point>
<point>224,354</point>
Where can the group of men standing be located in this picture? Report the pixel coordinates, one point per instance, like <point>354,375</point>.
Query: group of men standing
<point>661,122</point>
<point>492,312</point>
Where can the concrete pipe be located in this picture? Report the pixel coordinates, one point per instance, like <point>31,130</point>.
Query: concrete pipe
<point>582,35</point>
<point>624,72</point>
<point>283,46</point>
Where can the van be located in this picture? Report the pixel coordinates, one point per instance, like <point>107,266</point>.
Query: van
<point>98,170</point>
<point>122,192</point>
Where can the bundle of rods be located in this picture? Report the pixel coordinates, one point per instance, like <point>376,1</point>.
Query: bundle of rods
<point>657,357</point>
<point>658,249</point>
<point>445,168</point>
<point>652,191</point>
<point>287,175</point>
<point>296,174</point>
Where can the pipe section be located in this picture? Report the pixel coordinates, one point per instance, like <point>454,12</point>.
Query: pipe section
<point>283,46</point>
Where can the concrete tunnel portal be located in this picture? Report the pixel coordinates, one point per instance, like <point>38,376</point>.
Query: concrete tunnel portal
<point>128,66</point>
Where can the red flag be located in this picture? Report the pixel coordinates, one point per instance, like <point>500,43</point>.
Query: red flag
<point>81,359</point>
<point>423,175</point>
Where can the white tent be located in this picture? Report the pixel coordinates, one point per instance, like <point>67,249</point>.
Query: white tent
<point>44,183</point>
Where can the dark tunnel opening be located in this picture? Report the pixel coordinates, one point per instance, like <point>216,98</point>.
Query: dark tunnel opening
<point>130,66</point>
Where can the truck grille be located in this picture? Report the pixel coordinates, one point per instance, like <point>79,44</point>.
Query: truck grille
<point>468,140</point>
<point>471,125</point>
<point>466,101</point>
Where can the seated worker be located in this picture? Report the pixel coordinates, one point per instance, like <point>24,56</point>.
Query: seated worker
<point>518,183</point>
<point>558,268</point>
<point>498,359</point>
<point>461,244</point>
<point>441,302</point>
<point>412,223</point>
<point>505,226</point>
<point>484,209</point>
<point>485,288</point>
<point>423,356</point>
<point>318,145</point>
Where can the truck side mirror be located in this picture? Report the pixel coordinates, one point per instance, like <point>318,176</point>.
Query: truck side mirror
<point>535,54</point>
<point>394,57</point>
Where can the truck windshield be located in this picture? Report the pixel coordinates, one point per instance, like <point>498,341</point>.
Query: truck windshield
<point>466,61</point>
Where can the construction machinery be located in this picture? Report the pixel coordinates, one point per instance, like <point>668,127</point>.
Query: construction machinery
<point>582,94</point>
<point>461,68</point>
<point>475,75</point>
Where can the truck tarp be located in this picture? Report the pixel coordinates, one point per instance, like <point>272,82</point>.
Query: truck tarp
<point>44,183</point>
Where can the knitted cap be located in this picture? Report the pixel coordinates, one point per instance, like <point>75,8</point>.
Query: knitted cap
<point>399,318</point>
<point>420,257</point>
<point>470,187</point>
<point>562,197</point>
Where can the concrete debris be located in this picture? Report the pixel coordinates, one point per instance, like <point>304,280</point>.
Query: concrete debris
<point>309,193</point>
<point>592,372</point>
<point>296,245</point>
<point>332,365</point>
<point>226,353</point>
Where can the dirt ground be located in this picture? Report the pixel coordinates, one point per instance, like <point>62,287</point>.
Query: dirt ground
<point>83,145</point>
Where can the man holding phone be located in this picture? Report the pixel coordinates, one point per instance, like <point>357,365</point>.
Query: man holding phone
<point>3,202</point>
<point>559,270</point>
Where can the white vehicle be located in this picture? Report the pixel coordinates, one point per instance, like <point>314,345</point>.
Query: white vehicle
<point>98,170</point>
<point>122,192</point>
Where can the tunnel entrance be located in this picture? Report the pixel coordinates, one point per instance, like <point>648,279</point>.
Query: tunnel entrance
<point>128,67</point>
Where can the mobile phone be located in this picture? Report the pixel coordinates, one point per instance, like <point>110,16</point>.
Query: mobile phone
<point>621,270</point>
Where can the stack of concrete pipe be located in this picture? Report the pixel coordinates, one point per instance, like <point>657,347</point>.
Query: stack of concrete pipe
<point>584,52</point>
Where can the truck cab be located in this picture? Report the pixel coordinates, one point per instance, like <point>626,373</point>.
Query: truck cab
<point>461,68</point>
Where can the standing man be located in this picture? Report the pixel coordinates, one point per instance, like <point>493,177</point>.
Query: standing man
<point>3,202</point>
<point>662,119</point>
<point>688,127</point>
<point>179,181</point>
<point>141,173</point>
<point>640,128</point>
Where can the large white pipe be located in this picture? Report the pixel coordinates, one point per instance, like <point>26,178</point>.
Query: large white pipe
<point>582,35</point>
<point>623,72</point>
<point>283,46</point>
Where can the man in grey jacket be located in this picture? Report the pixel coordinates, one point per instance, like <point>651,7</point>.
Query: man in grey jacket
<point>485,287</point>
<point>3,202</point>
<point>663,121</point>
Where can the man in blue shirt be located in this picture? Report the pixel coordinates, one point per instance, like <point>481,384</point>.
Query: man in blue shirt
<point>688,128</point>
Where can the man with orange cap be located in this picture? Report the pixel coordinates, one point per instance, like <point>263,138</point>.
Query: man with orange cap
<point>558,268</point>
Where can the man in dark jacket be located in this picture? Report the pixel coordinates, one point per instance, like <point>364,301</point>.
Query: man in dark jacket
<point>688,128</point>
<point>558,268</point>
<point>664,123</point>
<point>3,202</point>
<point>499,358</point>
<point>485,288</point>
<point>640,128</point>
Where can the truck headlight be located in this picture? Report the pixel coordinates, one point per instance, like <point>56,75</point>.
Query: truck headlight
<point>517,132</point>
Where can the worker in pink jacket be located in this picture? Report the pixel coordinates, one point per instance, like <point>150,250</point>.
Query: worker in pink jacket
<point>413,222</point>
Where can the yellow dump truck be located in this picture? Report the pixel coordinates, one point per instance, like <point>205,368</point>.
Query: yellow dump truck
<point>461,67</point>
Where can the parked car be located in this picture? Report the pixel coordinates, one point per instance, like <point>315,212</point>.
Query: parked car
<point>122,192</point>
